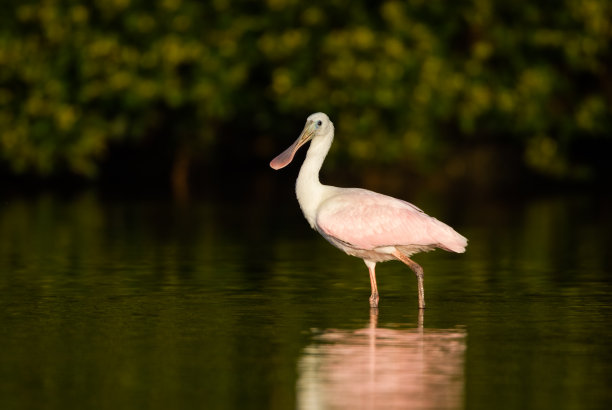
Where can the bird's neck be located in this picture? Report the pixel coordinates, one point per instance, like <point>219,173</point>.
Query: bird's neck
<point>310,192</point>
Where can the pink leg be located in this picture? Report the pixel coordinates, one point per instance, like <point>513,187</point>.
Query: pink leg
<point>416,268</point>
<point>374,296</point>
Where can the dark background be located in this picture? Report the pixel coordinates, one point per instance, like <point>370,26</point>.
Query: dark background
<point>177,95</point>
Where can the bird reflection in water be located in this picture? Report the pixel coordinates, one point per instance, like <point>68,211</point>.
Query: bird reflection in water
<point>386,368</point>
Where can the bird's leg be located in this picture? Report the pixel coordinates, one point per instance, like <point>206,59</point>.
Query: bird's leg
<point>418,271</point>
<point>374,296</point>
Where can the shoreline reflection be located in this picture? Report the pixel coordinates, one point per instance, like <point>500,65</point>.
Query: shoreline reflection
<point>374,367</point>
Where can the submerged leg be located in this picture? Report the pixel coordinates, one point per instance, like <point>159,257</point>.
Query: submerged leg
<point>418,271</point>
<point>374,296</point>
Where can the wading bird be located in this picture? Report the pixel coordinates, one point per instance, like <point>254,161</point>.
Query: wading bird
<point>362,223</point>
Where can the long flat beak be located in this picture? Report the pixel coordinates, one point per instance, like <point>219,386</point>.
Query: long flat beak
<point>286,156</point>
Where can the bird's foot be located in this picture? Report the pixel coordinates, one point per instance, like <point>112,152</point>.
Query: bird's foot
<point>374,300</point>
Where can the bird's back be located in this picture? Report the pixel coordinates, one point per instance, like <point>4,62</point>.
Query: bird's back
<point>367,220</point>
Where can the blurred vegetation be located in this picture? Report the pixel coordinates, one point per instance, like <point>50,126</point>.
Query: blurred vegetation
<point>404,81</point>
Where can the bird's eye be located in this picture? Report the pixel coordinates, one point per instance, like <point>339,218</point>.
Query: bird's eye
<point>319,123</point>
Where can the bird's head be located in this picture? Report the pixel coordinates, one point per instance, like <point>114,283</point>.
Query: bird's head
<point>317,124</point>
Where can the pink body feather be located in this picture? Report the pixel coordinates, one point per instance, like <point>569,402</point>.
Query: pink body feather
<point>366,220</point>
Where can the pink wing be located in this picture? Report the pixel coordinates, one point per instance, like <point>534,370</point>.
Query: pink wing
<point>367,220</point>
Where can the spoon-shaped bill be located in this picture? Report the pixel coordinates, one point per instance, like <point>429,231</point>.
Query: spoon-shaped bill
<point>283,159</point>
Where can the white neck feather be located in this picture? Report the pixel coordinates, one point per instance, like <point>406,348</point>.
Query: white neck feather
<point>310,192</point>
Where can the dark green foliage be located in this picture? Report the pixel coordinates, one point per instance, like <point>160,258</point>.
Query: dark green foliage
<point>403,80</point>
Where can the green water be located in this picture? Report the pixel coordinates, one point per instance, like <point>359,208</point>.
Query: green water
<point>134,304</point>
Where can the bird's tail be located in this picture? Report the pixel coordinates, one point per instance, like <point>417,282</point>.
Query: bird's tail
<point>449,239</point>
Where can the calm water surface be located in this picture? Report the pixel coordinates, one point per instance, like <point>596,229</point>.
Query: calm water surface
<point>112,304</point>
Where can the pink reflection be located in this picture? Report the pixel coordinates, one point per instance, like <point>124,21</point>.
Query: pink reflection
<point>380,368</point>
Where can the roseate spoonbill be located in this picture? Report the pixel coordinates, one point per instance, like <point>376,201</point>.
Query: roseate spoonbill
<point>362,223</point>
